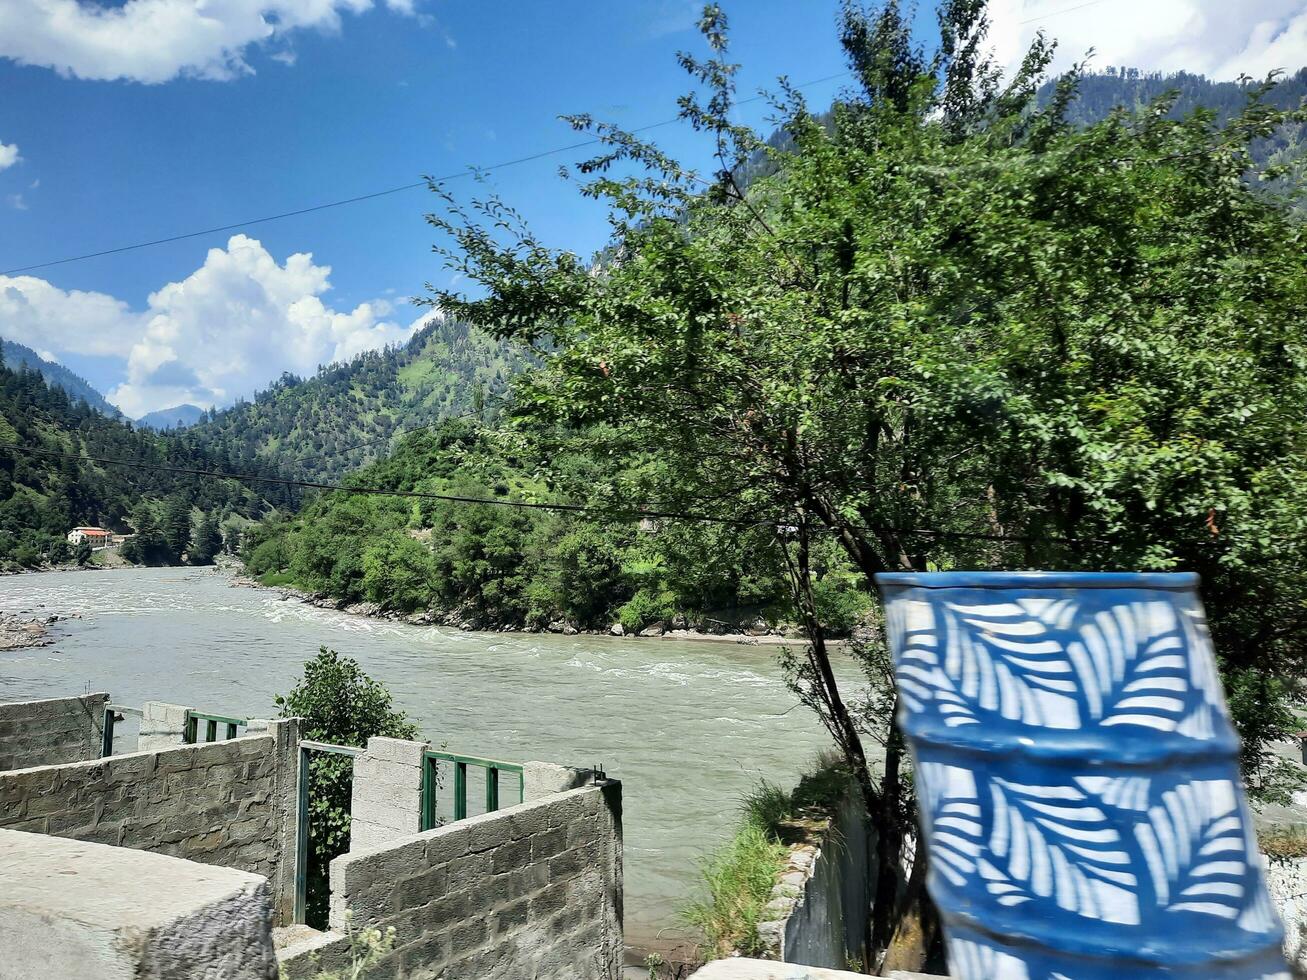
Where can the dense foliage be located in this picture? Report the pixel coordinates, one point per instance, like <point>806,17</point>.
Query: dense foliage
<point>951,329</point>
<point>341,705</point>
<point>486,566</point>
<point>345,415</point>
<point>43,496</point>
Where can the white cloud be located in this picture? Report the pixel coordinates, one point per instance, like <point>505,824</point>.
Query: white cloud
<point>8,155</point>
<point>1217,38</point>
<point>226,330</point>
<point>158,40</point>
<point>17,202</point>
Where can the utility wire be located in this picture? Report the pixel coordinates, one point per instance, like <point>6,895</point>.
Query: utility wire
<point>637,513</point>
<point>1059,13</point>
<point>466,172</point>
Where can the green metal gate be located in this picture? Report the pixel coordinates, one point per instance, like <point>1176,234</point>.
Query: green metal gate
<point>302,818</point>
<point>430,783</point>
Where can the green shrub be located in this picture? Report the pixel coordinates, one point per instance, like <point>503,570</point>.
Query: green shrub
<point>342,705</point>
<point>645,608</point>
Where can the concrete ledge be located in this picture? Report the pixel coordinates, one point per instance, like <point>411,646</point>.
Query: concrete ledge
<point>741,968</point>
<point>74,908</point>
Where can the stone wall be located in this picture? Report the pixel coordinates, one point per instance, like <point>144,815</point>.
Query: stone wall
<point>51,732</point>
<point>821,904</point>
<point>77,909</point>
<point>1286,878</point>
<point>530,891</point>
<point>229,803</point>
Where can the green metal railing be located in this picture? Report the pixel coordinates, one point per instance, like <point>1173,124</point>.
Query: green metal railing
<point>302,822</point>
<point>211,723</point>
<point>114,713</point>
<point>430,783</point>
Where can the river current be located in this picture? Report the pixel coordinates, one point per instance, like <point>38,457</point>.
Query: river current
<point>688,727</point>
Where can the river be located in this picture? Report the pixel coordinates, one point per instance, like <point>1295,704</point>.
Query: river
<point>687,726</point>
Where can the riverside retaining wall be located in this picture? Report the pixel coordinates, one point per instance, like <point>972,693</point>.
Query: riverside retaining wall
<point>530,891</point>
<point>821,903</point>
<point>230,803</point>
<point>51,732</point>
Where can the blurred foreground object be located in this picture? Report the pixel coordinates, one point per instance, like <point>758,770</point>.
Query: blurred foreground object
<point>1077,777</point>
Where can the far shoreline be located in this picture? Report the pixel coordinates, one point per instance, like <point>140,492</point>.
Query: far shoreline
<point>238,578</point>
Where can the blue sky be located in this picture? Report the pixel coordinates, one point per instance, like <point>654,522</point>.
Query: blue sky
<point>114,130</point>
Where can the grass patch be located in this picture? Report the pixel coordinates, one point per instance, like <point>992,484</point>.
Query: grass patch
<point>739,879</point>
<point>1284,843</point>
<point>277,579</point>
<point>740,875</point>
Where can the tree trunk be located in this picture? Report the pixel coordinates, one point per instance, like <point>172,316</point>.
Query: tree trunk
<point>918,937</point>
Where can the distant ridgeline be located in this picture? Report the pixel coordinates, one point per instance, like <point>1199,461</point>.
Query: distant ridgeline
<point>1098,93</point>
<point>43,497</point>
<point>307,428</point>
<point>16,355</point>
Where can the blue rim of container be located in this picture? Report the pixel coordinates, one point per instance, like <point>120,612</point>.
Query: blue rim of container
<point>1178,581</point>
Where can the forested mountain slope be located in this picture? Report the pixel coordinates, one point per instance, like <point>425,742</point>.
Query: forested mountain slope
<point>1098,93</point>
<point>312,428</point>
<point>16,355</point>
<point>42,497</point>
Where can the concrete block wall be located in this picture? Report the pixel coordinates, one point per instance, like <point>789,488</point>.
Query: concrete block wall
<point>530,891</point>
<point>77,909</point>
<point>163,726</point>
<point>386,798</point>
<point>51,732</point>
<point>231,803</point>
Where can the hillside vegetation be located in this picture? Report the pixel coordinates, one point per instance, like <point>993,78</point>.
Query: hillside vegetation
<point>488,566</point>
<point>42,497</point>
<point>343,417</point>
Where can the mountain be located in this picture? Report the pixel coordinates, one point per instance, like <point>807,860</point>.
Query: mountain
<point>345,415</point>
<point>45,490</point>
<point>177,417</point>
<point>1098,93</point>
<point>56,374</point>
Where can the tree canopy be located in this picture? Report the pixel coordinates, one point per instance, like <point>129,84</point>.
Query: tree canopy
<point>949,329</point>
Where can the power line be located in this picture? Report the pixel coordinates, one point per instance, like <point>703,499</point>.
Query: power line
<point>638,513</point>
<point>466,172</point>
<point>1059,13</point>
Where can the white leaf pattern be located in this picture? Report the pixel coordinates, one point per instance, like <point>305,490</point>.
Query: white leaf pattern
<point>1197,849</point>
<point>1087,851</point>
<point>1057,843</point>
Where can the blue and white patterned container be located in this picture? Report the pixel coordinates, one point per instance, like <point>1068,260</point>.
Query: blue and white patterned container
<point>1078,780</point>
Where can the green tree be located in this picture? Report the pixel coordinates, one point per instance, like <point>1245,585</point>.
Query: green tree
<point>208,540</point>
<point>944,328</point>
<point>342,705</point>
<point>176,525</point>
<point>82,554</point>
<point>397,572</point>
<point>147,546</point>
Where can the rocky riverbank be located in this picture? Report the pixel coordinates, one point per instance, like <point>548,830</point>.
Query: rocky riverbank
<point>709,630</point>
<point>20,633</point>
